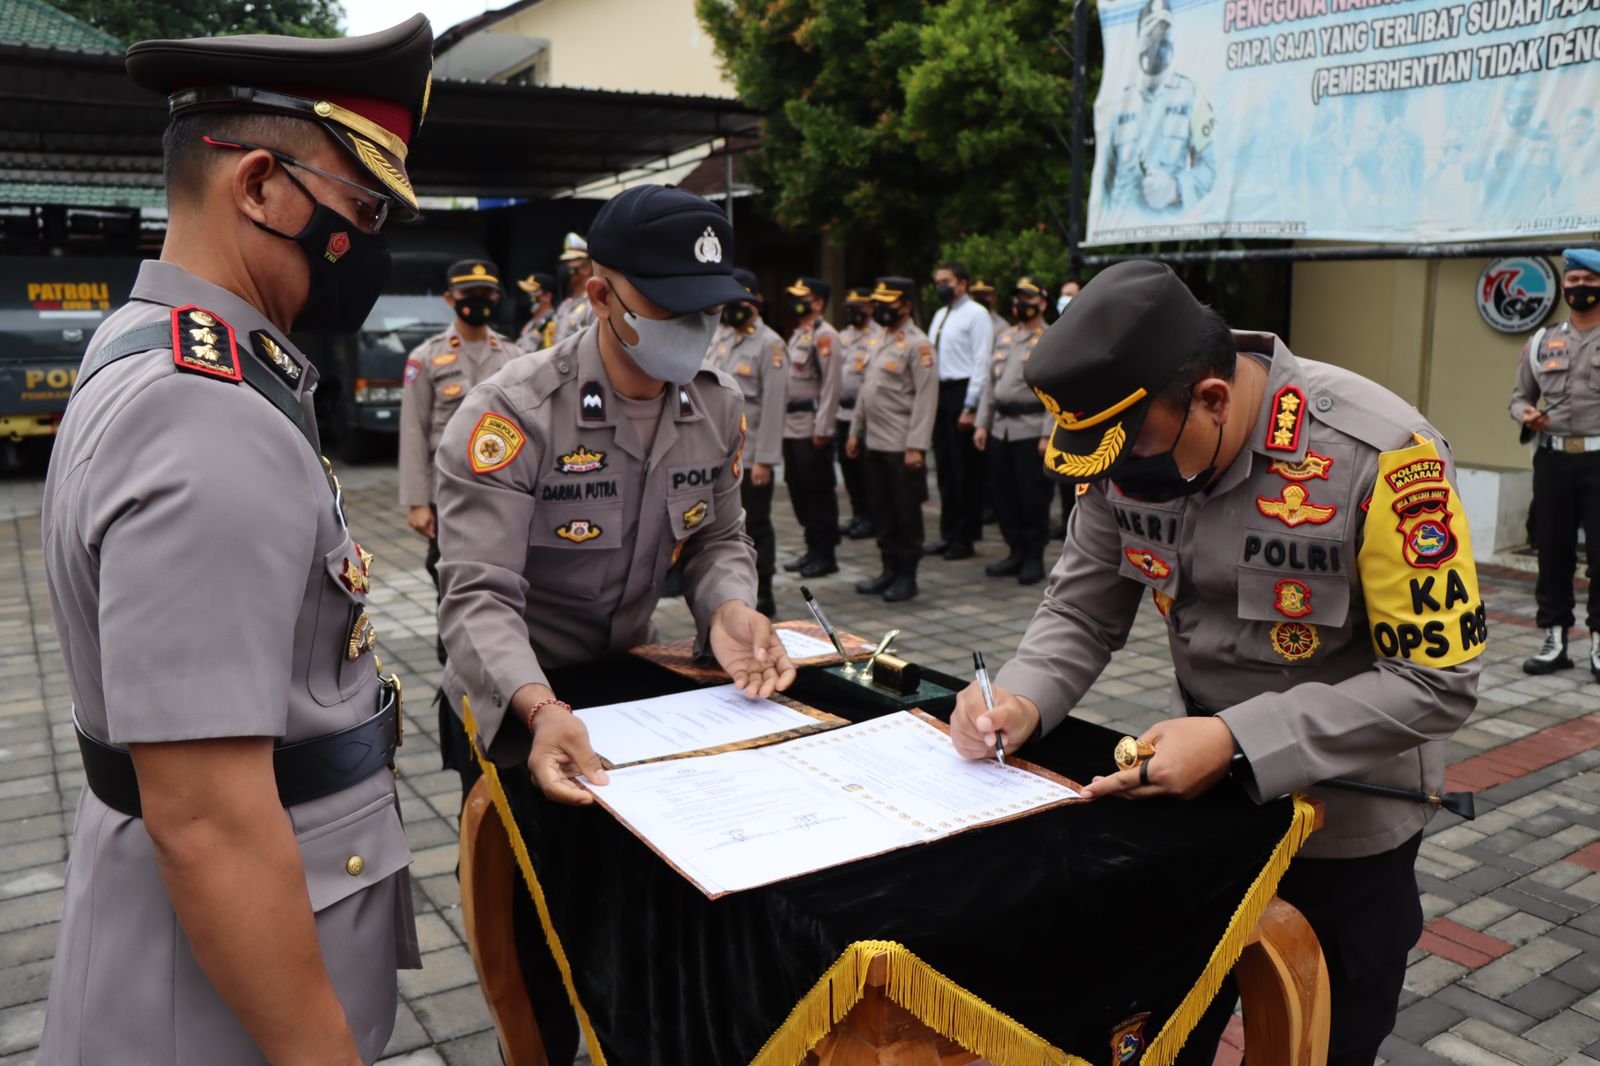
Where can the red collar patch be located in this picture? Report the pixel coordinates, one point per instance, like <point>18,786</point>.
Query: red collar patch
<point>1288,418</point>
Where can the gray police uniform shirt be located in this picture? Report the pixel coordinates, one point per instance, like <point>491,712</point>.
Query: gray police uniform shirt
<point>1321,599</point>
<point>200,579</point>
<point>439,373</point>
<point>859,343</point>
<point>814,352</point>
<point>1004,384</point>
<point>557,524</point>
<point>536,332</point>
<point>755,358</point>
<point>573,315</point>
<point>1565,374</point>
<point>900,395</point>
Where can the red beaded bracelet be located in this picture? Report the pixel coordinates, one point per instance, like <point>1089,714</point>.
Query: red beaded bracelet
<point>534,710</point>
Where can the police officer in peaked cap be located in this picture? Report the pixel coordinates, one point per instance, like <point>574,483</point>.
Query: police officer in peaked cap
<point>1297,528</point>
<point>238,889</point>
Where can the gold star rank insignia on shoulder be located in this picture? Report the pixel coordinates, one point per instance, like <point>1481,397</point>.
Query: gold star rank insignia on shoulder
<point>495,443</point>
<point>1288,417</point>
<point>204,344</point>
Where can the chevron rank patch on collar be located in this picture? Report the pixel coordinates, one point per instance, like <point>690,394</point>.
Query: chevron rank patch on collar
<point>592,402</point>
<point>198,346</point>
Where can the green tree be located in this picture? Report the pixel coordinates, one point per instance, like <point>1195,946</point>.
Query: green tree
<point>138,20</point>
<point>908,126</point>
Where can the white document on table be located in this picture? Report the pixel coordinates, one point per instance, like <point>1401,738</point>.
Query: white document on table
<point>696,720</point>
<point>742,819</point>
<point>804,645</point>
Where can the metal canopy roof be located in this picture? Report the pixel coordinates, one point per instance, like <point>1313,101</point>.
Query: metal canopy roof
<point>74,118</point>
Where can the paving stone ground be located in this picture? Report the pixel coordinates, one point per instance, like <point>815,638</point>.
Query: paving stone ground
<point>1507,972</point>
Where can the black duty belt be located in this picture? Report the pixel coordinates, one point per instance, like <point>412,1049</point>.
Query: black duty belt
<point>305,770</point>
<point>1012,410</point>
<point>850,405</point>
<point>796,406</point>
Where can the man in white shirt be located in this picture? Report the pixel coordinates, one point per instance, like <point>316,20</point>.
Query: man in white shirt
<point>964,338</point>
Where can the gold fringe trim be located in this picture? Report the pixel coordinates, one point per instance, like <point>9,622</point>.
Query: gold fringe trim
<point>502,806</point>
<point>934,999</point>
<point>1165,1047</point>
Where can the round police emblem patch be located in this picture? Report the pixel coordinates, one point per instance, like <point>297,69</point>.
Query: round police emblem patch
<point>1515,294</point>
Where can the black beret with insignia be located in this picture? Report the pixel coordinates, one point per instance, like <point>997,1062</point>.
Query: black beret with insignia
<point>1103,362</point>
<point>370,92</point>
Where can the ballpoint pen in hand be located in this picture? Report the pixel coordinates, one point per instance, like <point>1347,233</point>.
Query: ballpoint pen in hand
<point>988,703</point>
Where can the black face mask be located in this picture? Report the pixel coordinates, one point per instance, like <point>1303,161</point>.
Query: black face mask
<point>857,315</point>
<point>1157,479</point>
<point>348,268</point>
<point>800,308</point>
<point>736,315</point>
<point>1582,297</point>
<point>475,310</point>
<point>885,314</point>
<point>945,293</point>
<point>1024,312</point>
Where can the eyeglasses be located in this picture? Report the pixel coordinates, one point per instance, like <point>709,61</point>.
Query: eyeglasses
<point>370,215</point>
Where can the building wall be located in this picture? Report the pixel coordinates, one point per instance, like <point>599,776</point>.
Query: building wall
<point>630,45</point>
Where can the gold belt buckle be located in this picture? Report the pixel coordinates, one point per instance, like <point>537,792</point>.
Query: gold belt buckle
<point>1574,445</point>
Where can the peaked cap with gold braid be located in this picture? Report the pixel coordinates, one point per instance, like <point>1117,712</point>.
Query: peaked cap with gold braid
<point>370,92</point>
<point>1101,364</point>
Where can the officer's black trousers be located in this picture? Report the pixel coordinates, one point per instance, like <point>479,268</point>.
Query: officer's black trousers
<point>957,468</point>
<point>1367,914</point>
<point>897,495</point>
<point>854,471</point>
<point>808,472</point>
<point>758,521</point>
<point>1021,493</point>
<point>1566,495</point>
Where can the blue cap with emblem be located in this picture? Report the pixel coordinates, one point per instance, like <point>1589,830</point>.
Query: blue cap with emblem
<point>675,247</point>
<point>1582,259</point>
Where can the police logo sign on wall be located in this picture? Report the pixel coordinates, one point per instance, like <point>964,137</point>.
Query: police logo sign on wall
<point>1515,295</point>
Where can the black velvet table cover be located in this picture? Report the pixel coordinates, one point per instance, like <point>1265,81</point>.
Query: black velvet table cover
<point>1070,921</point>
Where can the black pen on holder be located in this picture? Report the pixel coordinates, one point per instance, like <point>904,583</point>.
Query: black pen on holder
<point>988,703</point>
<point>822,620</point>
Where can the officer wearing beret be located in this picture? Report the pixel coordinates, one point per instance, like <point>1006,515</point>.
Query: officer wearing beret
<point>238,889</point>
<point>574,312</point>
<point>748,350</point>
<point>1011,431</point>
<point>439,373</point>
<point>574,478</point>
<point>1298,529</point>
<point>815,353</point>
<point>539,331</point>
<point>892,432</point>
<point>859,339</point>
<point>1561,367</point>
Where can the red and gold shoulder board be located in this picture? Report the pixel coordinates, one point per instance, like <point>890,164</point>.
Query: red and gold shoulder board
<point>204,344</point>
<point>1288,418</point>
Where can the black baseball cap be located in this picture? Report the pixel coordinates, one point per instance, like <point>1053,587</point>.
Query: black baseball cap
<point>1104,361</point>
<point>370,92</point>
<point>675,247</point>
<point>470,272</point>
<point>751,283</point>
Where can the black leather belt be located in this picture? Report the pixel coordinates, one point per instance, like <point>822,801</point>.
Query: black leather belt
<point>850,405</point>
<point>305,770</point>
<point>796,406</point>
<point>1012,410</point>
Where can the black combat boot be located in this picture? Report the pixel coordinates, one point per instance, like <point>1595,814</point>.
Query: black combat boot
<point>877,585</point>
<point>1032,571</point>
<point>904,586</point>
<point>800,562</point>
<point>822,564</point>
<point>1010,566</point>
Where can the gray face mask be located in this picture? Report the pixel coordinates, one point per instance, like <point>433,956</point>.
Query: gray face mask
<point>668,349</point>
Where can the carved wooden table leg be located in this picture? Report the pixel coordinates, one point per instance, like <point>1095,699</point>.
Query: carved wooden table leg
<point>1283,984</point>
<point>489,880</point>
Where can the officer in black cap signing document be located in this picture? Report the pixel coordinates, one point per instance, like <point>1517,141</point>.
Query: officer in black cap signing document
<point>1298,529</point>
<point>238,891</point>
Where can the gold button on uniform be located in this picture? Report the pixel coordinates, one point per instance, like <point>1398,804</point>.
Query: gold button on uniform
<point>354,865</point>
